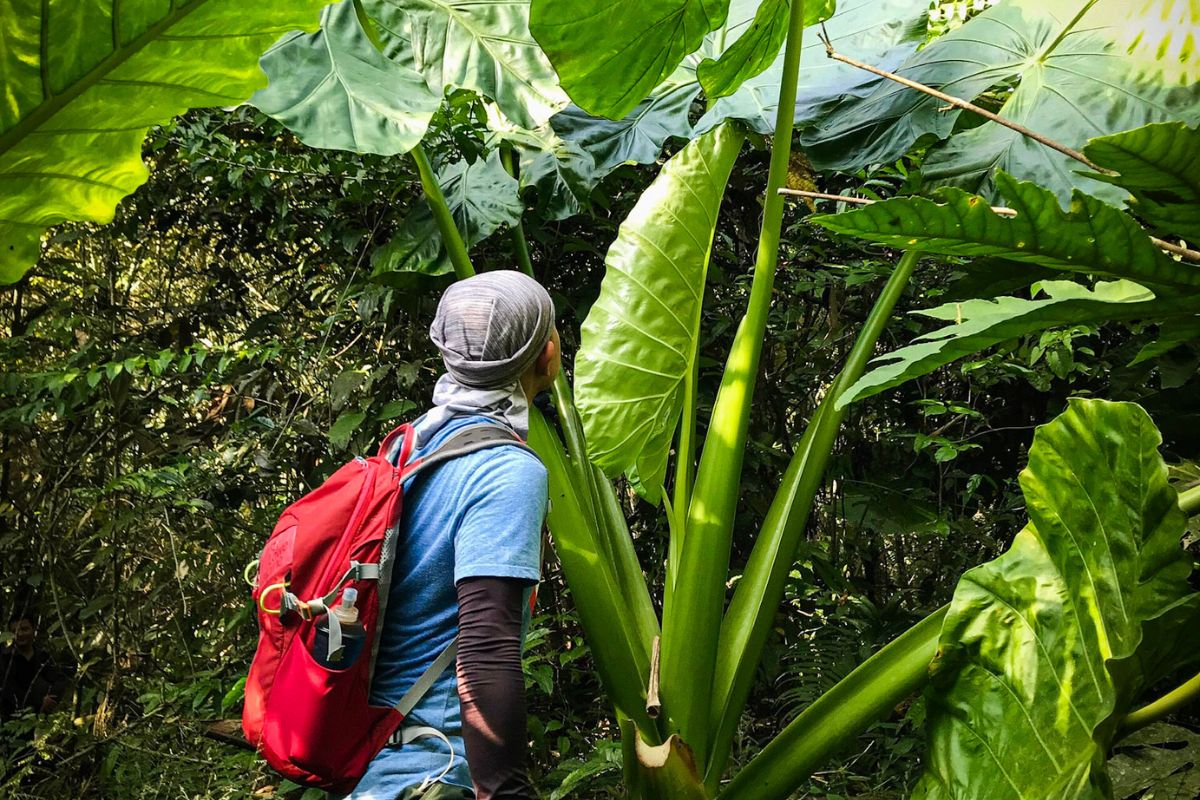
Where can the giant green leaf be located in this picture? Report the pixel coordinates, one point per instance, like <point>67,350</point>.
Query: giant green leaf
<point>83,84</point>
<point>1091,237</point>
<point>638,342</point>
<point>481,197</point>
<point>1082,67</point>
<point>886,31</point>
<point>881,31</point>
<point>757,47</point>
<point>1159,165</point>
<point>1040,652</point>
<point>335,90</point>
<point>481,45</point>
<point>979,324</point>
<point>636,138</point>
<point>560,170</point>
<point>610,54</point>
<point>414,254</point>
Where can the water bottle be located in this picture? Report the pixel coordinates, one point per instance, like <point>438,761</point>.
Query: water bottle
<point>353,634</point>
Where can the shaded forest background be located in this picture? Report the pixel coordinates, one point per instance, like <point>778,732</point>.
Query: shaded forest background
<point>173,380</point>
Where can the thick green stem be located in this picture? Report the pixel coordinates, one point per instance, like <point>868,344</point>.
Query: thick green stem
<point>517,232</point>
<point>1167,704</point>
<point>838,717</point>
<point>692,619</point>
<point>747,624</point>
<point>1189,500</point>
<point>451,238</point>
<point>685,455</point>
<point>616,632</point>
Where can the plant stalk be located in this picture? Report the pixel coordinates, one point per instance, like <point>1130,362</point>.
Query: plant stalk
<point>616,632</point>
<point>838,717</point>
<point>685,454</point>
<point>1189,501</point>
<point>517,232</point>
<point>1174,700</point>
<point>451,238</point>
<point>692,619</point>
<point>747,624</point>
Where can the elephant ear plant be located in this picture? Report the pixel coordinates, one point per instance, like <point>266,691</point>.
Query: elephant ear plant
<point>1033,669</point>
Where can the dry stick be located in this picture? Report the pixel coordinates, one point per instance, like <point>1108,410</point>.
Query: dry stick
<point>959,103</point>
<point>1182,252</point>
<point>653,705</point>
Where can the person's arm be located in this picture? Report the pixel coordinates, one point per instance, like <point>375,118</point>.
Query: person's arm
<point>497,558</point>
<point>491,687</point>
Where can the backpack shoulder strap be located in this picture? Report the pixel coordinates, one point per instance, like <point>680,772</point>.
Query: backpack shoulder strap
<point>469,440</point>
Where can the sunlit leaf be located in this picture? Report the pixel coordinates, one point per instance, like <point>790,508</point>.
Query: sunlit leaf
<point>610,54</point>
<point>481,45</point>
<point>81,90</point>
<point>1090,237</point>
<point>1074,80</point>
<point>757,47</point>
<point>1159,165</point>
<point>335,90</point>
<point>1045,647</point>
<point>883,32</point>
<point>979,324</point>
<point>638,342</point>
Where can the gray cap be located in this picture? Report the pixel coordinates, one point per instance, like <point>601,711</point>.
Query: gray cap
<point>491,327</point>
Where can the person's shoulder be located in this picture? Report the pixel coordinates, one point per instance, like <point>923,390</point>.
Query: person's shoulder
<point>514,460</point>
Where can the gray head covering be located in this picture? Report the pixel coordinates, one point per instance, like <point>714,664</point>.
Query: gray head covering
<point>490,328</point>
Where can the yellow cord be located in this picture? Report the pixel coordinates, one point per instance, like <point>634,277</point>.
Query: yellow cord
<point>253,565</point>
<point>282,587</point>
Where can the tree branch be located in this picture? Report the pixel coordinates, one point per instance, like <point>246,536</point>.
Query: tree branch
<point>960,103</point>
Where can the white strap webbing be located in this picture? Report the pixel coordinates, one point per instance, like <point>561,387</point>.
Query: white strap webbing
<point>424,683</point>
<point>418,731</point>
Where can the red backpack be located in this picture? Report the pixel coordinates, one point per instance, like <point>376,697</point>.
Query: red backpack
<point>314,724</point>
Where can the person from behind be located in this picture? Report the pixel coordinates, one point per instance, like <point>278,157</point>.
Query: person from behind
<point>469,555</point>
<point>29,677</point>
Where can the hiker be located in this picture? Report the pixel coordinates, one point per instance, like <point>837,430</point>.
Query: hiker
<point>470,555</point>
<point>29,678</point>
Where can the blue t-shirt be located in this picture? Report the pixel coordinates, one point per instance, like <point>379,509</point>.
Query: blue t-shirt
<point>479,515</point>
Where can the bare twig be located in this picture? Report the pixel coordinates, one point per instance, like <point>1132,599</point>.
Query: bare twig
<point>1176,249</point>
<point>653,705</point>
<point>1183,252</point>
<point>957,102</point>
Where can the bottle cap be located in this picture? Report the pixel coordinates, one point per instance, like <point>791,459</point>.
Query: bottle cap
<point>349,596</point>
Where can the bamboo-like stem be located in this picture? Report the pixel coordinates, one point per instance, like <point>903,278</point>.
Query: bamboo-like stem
<point>747,623</point>
<point>958,102</point>
<point>653,705</point>
<point>1182,252</point>
<point>685,453</point>
<point>517,231</point>
<point>1169,703</point>
<point>692,617</point>
<point>456,248</point>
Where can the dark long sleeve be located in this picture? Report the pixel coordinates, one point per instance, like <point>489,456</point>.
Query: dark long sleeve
<point>491,687</point>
